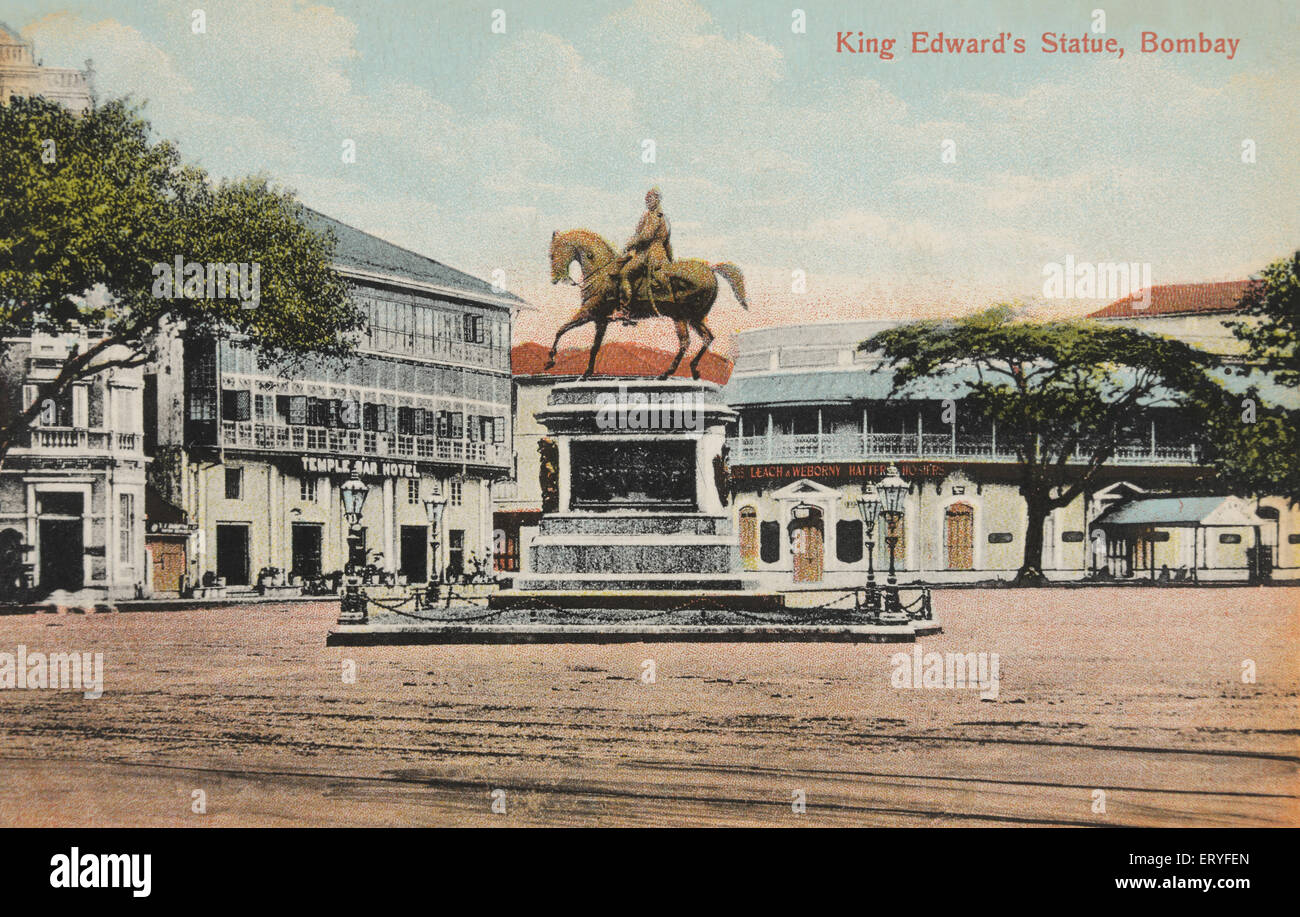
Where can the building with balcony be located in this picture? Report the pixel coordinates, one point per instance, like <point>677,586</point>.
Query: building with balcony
<point>72,487</point>
<point>817,421</point>
<point>254,459</point>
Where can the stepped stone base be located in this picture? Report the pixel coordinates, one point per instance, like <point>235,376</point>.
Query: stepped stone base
<point>639,521</point>
<point>556,525</point>
<point>406,635</point>
<point>620,558</point>
<point>720,599</point>
<point>640,545</point>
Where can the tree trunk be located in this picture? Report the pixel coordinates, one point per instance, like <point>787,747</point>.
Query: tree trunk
<point>1031,567</point>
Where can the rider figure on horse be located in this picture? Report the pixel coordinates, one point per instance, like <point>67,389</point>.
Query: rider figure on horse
<point>647,251</point>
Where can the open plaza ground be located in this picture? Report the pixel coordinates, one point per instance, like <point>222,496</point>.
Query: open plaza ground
<point>1138,693</point>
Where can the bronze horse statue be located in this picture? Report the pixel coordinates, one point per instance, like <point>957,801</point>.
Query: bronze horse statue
<point>683,291</point>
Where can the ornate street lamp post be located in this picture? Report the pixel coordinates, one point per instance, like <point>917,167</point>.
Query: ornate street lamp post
<point>433,508</point>
<point>893,491</point>
<point>352,605</point>
<point>869,509</point>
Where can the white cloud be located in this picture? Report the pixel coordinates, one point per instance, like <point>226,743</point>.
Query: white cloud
<point>764,159</point>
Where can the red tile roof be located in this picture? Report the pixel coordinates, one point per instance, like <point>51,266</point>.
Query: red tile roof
<point>616,359</point>
<point>1179,299</point>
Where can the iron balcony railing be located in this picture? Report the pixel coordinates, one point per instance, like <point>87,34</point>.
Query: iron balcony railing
<point>847,447</point>
<point>333,441</point>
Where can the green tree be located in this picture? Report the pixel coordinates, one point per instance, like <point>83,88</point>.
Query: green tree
<point>1272,309</point>
<point>1254,447</point>
<point>1064,394</point>
<point>1255,444</point>
<point>92,205</point>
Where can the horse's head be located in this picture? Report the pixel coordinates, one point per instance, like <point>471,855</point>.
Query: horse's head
<point>562,255</point>
<point>589,249</point>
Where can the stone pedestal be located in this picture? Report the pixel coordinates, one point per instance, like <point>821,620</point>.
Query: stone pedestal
<point>638,507</point>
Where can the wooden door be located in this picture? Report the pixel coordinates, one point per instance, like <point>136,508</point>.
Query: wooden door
<point>959,536</point>
<point>807,545</point>
<point>168,565</point>
<point>749,538</point>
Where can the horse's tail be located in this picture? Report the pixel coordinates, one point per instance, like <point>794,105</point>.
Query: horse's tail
<point>733,276</point>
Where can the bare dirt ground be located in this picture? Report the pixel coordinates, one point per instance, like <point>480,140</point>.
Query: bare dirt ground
<point>1135,692</point>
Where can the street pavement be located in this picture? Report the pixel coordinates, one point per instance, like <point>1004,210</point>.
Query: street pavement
<point>245,714</point>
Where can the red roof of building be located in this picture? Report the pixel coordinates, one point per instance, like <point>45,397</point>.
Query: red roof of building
<point>1179,299</point>
<point>616,359</point>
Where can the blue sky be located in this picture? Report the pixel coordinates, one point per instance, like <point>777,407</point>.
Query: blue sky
<point>773,151</point>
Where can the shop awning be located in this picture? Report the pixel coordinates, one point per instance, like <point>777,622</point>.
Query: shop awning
<point>158,510</point>
<point>1184,511</point>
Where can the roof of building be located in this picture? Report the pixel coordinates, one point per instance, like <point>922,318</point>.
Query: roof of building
<point>616,358</point>
<point>158,508</point>
<point>1178,299</point>
<point>840,334</point>
<point>11,36</point>
<point>365,252</point>
<point>874,383</point>
<point>1180,511</point>
<point>866,383</point>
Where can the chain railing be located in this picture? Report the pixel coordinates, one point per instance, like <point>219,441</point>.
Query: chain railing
<point>705,612</point>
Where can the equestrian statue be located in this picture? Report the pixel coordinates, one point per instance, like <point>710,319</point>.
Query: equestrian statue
<point>642,282</point>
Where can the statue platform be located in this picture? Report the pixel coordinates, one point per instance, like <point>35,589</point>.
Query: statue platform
<point>635,543</point>
<point>635,502</point>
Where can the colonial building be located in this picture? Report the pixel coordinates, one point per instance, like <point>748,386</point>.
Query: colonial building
<point>818,422</point>
<point>21,75</point>
<point>518,505</point>
<point>72,486</point>
<point>1197,313</point>
<point>255,460</point>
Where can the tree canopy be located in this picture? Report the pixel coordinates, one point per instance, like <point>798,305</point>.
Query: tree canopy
<point>94,210</point>
<point>1255,444</point>
<point>1272,309</point>
<point>1065,395</point>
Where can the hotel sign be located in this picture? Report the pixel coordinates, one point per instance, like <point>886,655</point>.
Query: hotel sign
<point>363,468</point>
<point>834,471</point>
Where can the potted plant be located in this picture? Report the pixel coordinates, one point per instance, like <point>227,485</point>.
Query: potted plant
<point>268,577</point>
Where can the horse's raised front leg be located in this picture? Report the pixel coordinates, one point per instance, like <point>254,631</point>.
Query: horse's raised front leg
<point>683,339</point>
<point>601,326</point>
<point>576,322</point>
<point>703,331</point>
